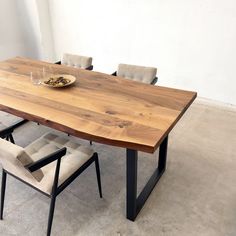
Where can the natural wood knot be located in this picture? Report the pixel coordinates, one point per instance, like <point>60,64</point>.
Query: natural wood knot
<point>13,68</point>
<point>87,115</point>
<point>124,123</point>
<point>111,112</point>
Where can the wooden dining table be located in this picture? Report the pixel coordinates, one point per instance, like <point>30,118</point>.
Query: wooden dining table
<point>101,108</point>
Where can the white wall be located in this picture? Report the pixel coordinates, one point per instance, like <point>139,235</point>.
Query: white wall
<point>193,43</point>
<point>19,29</point>
<point>45,30</point>
<point>25,30</point>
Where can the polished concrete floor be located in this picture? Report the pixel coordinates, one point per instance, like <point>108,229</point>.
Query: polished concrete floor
<point>196,195</point>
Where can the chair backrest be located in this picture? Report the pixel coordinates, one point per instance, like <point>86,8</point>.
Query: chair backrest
<point>14,159</point>
<point>137,73</point>
<point>77,61</point>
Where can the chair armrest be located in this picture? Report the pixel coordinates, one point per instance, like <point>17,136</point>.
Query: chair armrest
<point>114,73</point>
<point>19,123</point>
<point>11,128</point>
<point>46,160</point>
<point>154,81</point>
<point>6,131</point>
<point>90,67</point>
<point>58,62</point>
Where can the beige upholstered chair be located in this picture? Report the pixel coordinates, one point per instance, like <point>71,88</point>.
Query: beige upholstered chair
<point>77,61</point>
<point>137,73</point>
<point>49,165</point>
<point>8,123</point>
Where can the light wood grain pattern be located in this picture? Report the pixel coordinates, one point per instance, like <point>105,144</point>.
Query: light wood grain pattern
<point>98,107</point>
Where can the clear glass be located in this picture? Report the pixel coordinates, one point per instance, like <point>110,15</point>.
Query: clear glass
<point>36,77</point>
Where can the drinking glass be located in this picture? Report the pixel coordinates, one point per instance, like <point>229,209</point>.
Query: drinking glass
<point>36,77</point>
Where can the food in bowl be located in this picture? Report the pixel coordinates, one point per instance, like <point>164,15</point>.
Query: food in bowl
<point>57,81</point>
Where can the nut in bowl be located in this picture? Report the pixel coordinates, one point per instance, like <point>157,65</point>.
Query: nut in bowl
<point>58,81</point>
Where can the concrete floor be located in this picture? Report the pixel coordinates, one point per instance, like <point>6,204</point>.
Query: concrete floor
<point>196,195</point>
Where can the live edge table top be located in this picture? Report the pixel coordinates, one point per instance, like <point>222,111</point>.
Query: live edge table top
<point>98,107</point>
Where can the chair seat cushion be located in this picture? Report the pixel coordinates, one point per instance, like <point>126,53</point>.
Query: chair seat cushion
<point>75,157</point>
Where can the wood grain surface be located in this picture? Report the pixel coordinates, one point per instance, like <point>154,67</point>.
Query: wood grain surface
<point>98,107</point>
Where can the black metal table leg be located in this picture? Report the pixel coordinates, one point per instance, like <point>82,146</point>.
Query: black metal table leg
<point>134,203</point>
<point>131,184</point>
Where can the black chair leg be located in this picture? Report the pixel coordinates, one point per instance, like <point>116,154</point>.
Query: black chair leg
<point>91,143</point>
<point>98,175</point>
<point>53,196</point>
<point>11,138</point>
<point>51,213</point>
<point>4,177</point>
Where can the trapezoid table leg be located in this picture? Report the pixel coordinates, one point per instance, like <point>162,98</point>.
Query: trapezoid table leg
<point>133,203</point>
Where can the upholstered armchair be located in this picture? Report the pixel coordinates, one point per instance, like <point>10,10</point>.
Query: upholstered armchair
<point>48,165</point>
<point>137,73</point>
<point>77,61</point>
